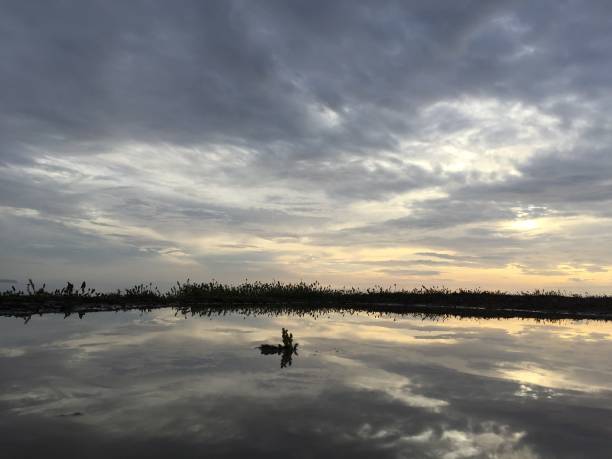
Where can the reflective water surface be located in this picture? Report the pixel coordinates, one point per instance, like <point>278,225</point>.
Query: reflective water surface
<point>156,385</point>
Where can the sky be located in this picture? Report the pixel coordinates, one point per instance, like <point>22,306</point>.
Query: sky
<point>464,144</point>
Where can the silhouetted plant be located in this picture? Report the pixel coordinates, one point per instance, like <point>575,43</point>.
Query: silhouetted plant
<point>286,350</point>
<point>287,338</point>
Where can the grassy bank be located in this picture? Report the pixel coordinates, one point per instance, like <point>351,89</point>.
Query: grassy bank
<point>277,297</point>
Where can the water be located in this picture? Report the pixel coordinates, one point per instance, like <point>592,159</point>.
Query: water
<point>155,385</point>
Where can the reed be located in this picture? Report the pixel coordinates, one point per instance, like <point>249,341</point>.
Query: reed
<point>213,294</point>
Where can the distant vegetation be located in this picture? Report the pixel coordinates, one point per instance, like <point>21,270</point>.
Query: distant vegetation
<point>303,296</point>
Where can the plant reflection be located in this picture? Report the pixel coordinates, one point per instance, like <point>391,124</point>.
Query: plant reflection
<point>286,350</point>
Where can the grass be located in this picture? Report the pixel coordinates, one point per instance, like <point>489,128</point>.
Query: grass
<point>296,297</point>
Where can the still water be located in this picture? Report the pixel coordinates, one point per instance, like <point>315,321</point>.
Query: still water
<point>156,385</point>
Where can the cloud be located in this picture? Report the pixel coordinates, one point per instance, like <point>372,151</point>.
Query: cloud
<point>477,130</point>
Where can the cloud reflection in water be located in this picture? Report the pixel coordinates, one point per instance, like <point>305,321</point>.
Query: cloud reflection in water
<point>155,385</point>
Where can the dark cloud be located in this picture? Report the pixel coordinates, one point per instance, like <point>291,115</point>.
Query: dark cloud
<point>238,72</point>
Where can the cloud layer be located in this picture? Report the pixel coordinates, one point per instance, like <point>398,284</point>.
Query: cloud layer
<point>410,142</point>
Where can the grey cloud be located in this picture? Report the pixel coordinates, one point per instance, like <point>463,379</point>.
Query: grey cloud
<point>410,272</point>
<point>572,181</point>
<point>322,105</point>
<point>237,71</point>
